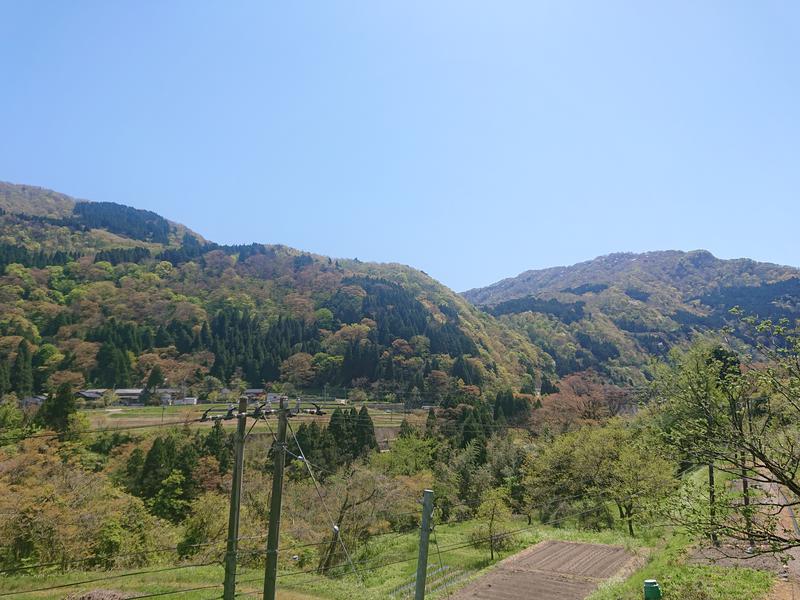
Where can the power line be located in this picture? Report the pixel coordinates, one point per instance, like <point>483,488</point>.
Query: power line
<point>334,526</point>
<point>106,578</point>
<point>181,591</point>
<point>439,554</point>
<point>91,558</point>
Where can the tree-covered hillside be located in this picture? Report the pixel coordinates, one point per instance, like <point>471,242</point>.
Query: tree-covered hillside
<point>614,313</point>
<point>99,294</point>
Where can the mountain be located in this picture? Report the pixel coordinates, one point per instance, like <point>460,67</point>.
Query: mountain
<point>100,294</point>
<point>615,313</point>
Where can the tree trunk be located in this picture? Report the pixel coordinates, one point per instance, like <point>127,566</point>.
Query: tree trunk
<point>327,558</point>
<point>746,500</point>
<point>629,518</point>
<point>491,535</point>
<point>712,508</point>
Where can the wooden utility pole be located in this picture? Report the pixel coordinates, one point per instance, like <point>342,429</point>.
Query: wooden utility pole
<point>424,534</point>
<point>229,590</point>
<point>273,535</point>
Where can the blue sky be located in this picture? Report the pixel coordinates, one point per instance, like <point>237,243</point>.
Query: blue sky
<point>472,140</point>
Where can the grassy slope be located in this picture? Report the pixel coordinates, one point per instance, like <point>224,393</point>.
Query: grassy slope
<point>667,565</point>
<point>399,549</point>
<point>678,580</point>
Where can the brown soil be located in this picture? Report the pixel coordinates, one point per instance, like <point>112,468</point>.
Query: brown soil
<point>785,590</point>
<point>551,570</point>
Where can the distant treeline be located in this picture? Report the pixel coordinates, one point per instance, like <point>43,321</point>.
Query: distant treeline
<point>39,259</point>
<point>567,312</point>
<point>124,220</point>
<point>123,255</point>
<point>134,223</point>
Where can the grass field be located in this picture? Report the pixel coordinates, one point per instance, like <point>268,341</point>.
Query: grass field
<point>388,563</point>
<point>678,580</point>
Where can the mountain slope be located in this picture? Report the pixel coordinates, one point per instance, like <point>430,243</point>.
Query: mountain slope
<point>103,293</point>
<point>616,312</point>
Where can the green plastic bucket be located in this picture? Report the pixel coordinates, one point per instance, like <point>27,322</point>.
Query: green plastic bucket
<point>652,591</point>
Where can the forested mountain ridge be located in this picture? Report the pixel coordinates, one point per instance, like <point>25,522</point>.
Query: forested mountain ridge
<point>616,312</point>
<point>99,294</point>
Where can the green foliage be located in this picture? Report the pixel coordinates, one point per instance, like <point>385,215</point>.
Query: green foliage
<point>113,367</point>
<point>207,522</point>
<point>493,513</point>
<point>593,465</point>
<point>511,408</point>
<point>124,220</point>
<point>57,409</point>
<point>21,378</point>
<point>11,417</point>
<point>409,455</point>
<point>170,500</point>
<point>616,313</point>
<point>677,579</point>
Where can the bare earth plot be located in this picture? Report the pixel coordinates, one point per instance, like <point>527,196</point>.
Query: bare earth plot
<point>551,570</point>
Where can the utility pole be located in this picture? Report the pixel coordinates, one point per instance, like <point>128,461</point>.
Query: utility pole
<point>424,534</point>
<point>279,457</point>
<point>229,590</point>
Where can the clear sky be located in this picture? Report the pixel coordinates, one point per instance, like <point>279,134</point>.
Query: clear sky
<point>472,140</point>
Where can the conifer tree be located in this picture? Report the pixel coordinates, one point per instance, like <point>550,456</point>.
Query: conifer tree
<point>5,379</point>
<point>56,409</point>
<point>133,471</point>
<point>430,423</point>
<point>340,431</point>
<point>365,432</point>
<point>406,430</point>
<point>22,371</point>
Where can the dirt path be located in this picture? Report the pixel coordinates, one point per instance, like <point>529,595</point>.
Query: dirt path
<point>786,568</point>
<point>550,570</point>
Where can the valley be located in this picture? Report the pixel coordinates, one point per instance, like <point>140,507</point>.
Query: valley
<point>557,407</point>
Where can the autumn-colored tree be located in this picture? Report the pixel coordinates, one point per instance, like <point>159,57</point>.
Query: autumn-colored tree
<point>298,369</point>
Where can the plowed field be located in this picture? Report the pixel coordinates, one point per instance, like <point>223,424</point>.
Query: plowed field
<point>549,571</point>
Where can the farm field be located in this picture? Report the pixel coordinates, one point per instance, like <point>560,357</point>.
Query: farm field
<point>556,570</point>
<point>140,416</point>
<point>385,569</point>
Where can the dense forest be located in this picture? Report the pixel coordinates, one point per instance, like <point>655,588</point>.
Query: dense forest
<point>616,313</point>
<point>576,408</point>
<point>99,294</point>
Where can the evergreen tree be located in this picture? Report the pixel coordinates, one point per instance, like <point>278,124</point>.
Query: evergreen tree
<point>217,444</point>
<point>113,366</point>
<point>157,465</point>
<point>163,338</point>
<point>170,500</point>
<point>430,423</point>
<point>56,409</point>
<point>365,432</point>
<point>155,379</point>
<point>185,462</point>
<point>406,429</point>
<point>133,471</point>
<point>548,387</point>
<point>22,371</point>
<point>340,432</point>
<point>5,378</point>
